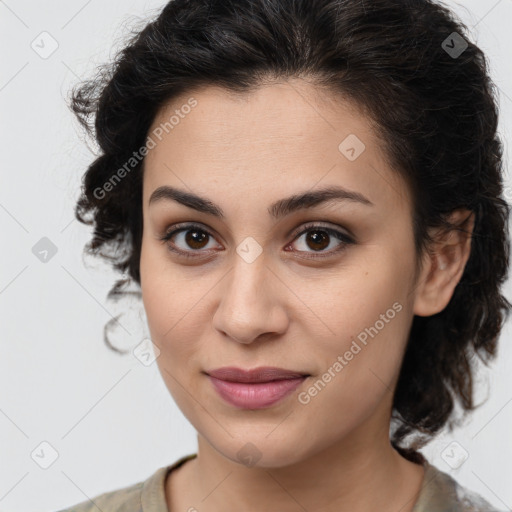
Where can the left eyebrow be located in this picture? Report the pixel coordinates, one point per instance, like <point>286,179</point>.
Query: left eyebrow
<point>277,210</point>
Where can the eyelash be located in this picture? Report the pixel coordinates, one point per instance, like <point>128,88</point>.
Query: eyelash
<point>342,237</point>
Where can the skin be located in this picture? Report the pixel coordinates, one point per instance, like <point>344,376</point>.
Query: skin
<point>243,152</point>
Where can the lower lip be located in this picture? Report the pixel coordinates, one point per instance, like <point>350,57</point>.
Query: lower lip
<point>255,395</point>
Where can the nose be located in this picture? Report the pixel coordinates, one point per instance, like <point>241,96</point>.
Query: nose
<point>253,302</point>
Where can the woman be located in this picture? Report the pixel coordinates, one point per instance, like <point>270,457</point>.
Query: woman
<point>310,195</point>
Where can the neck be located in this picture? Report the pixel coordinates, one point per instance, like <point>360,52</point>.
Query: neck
<point>357,474</point>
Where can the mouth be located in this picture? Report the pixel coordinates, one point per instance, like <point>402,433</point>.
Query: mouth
<point>255,375</point>
<point>255,389</point>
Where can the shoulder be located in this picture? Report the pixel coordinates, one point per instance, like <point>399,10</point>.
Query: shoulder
<point>126,499</point>
<point>144,496</point>
<point>471,501</point>
<point>442,493</point>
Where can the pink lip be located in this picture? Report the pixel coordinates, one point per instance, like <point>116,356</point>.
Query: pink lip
<point>257,388</point>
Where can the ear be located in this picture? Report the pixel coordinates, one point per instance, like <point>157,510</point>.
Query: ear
<point>444,264</point>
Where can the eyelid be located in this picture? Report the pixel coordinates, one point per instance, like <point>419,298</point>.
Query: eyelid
<point>344,238</point>
<point>319,224</point>
<point>184,226</point>
<point>294,232</point>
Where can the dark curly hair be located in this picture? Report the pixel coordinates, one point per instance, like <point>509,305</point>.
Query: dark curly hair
<point>411,67</point>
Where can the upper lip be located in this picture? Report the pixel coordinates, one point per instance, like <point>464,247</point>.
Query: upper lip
<point>260,374</point>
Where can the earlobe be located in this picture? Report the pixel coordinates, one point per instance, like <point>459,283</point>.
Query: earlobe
<point>444,265</point>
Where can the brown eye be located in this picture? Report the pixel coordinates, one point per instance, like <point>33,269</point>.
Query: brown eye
<point>319,238</point>
<point>188,239</point>
<point>191,240</point>
<point>195,238</point>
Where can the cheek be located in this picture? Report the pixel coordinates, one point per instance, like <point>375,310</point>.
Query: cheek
<point>168,313</point>
<point>163,297</point>
<point>369,319</point>
<point>162,293</point>
<point>357,377</point>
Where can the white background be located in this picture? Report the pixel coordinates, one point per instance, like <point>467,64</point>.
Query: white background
<point>110,418</point>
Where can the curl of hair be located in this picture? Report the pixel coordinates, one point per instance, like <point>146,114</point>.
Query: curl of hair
<point>436,116</point>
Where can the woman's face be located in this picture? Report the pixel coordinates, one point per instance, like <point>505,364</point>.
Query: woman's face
<point>268,285</point>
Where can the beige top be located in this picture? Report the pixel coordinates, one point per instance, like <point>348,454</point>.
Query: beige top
<point>439,493</point>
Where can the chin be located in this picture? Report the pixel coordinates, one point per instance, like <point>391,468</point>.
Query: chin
<point>262,452</point>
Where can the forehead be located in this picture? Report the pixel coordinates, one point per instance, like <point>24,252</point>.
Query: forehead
<point>294,110</point>
<point>278,134</point>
